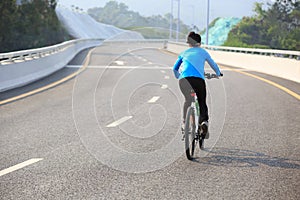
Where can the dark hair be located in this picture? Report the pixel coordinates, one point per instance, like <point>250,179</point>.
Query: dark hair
<point>193,38</point>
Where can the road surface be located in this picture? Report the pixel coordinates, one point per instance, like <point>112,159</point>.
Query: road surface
<point>113,132</point>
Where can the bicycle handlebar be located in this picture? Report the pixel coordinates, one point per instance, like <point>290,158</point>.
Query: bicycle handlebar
<point>210,76</point>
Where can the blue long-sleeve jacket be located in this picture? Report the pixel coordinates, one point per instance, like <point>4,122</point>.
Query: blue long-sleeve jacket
<point>193,61</point>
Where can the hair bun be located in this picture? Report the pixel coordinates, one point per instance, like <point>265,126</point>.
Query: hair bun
<point>193,38</point>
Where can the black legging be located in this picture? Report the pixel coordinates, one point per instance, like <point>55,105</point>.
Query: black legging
<point>198,85</point>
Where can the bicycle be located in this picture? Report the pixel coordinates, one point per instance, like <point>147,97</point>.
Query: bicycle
<point>191,133</point>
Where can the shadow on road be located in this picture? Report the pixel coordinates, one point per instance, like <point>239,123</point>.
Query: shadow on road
<point>245,158</point>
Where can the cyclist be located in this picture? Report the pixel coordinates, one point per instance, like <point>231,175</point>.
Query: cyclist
<point>191,76</point>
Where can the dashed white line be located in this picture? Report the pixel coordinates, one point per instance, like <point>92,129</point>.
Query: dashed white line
<point>119,121</point>
<point>153,99</point>
<point>164,86</point>
<point>19,166</point>
<point>119,62</point>
<point>167,77</point>
<point>163,71</point>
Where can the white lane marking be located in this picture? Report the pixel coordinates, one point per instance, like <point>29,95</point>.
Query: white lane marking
<point>19,166</point>
<point>137,67</point>
<point>150,63</point>
<point>167,77</point>
<point>153,99</point>
<point>74,66</point>
<point>117,67</point>
<point>164,86</point>
<point>119,121</point>
<point>119,62</point>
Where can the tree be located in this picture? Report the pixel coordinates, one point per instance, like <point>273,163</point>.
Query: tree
<point>8,19</point>
<point>278,27</point>
<point>29,24</point>
<point>119,15</point>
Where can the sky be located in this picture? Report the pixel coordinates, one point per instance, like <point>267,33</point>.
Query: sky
<point>191,11</point>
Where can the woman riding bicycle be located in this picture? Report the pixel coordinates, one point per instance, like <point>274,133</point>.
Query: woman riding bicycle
<point>191,76</point>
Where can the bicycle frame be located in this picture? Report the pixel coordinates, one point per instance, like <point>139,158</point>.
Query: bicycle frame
<point>195,106</point>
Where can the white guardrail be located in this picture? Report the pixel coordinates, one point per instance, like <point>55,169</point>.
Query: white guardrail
<point>280,63</point>
<point>22,67</point>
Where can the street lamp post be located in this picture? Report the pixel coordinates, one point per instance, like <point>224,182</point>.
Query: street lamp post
<point>193,16</point>
<point>178,22</point>
<point>207,22</point>
<point>171,20</point>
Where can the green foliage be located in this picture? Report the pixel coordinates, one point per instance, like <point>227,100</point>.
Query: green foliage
<point>119,15</point>
<point>212,24</point>
<point>31,24</point>
<point>276,28</point>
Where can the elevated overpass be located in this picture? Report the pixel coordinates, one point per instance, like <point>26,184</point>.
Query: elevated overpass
<point>104,123</point>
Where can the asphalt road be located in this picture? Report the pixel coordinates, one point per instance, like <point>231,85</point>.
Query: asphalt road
<point>113,133</point>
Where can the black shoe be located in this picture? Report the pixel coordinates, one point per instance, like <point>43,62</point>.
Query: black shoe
<point>204,128</point>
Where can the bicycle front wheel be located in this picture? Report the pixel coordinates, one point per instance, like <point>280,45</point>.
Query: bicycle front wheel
<point>189,133</point>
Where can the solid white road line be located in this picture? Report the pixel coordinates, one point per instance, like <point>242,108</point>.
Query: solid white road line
<point>19,166</point>
<point>117,67</point>
<point>153,99</point>
<point>119,121</point>
<point>162,69</point>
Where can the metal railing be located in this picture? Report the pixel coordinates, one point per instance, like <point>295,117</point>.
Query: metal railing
<point>24,55</point>
<point>254,51</point>
<point>31,54</point>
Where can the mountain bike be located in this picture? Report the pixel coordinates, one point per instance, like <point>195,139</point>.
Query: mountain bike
<point>191,132</point>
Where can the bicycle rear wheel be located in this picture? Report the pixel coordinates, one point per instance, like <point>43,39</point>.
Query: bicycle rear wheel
<point>201,142</point>
<point>189,133</point>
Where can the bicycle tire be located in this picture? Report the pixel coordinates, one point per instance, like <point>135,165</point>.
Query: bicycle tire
<point>201,143</point>
<point>189,133</point>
